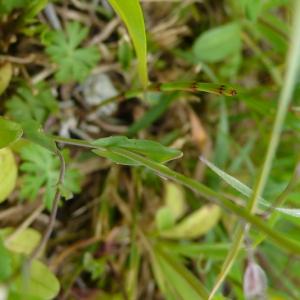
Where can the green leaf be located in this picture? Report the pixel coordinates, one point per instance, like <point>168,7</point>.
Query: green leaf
<point>252,9</point>
<point>196,224</point>
<point>41,170</point>
<point>164,218</point>
<point>34,132</point>
<point>32,104</point>
<point>41,283</point>
<point>218,43</point>
<point>8,173</point>
<point>116,158</point>
<point>10,132</point>
<point>74,63</point>
<point>6,72</point>
<point>150,149</point>
<point>22,242</point>
<point>33,8</point>
<point>125,54</point>
<point>175,199</point>
<point>173,209</point>
<point>131,13</point>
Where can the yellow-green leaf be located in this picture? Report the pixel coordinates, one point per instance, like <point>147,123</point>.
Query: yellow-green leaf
<point>8,173</point>
<point>218,43</point>
<point>10,132</point>
<point>131,13</point>
<point>195,224</point>
<point>175,199</point>
<point>5,76</point>
<point>23,242</point>
<point>41,284</point>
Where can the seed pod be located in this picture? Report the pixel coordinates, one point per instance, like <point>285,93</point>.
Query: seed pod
<point>255,282</point>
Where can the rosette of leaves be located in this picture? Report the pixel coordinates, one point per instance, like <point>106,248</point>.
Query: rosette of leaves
<point>74,62</point>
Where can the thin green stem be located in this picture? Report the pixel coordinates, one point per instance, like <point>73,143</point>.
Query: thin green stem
<point>230,258</point>
<point>35,253</point>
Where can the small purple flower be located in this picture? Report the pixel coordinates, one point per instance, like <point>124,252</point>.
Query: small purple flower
<point>255,282</point>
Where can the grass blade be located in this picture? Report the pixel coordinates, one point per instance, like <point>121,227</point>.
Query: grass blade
<point>246,191</point>
<point>131,13</point>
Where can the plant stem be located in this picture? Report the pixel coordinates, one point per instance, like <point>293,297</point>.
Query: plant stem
<point>285,98</point>
<point>35,253</point>
<point>192,87</point>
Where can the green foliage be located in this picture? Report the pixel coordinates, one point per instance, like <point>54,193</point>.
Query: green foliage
<point>74,62</point>
<point>8,6</point>
<point>41,170</point>
<point>39,284</point>
<point>218,43</point>
<point>27,285</point>
<point>5,262</point>
<point>132,15</point>
<point>252,8</point>
<point>96,267</point>
<point>10,132</point>
<point>32,104</point>
<point>137,219</point>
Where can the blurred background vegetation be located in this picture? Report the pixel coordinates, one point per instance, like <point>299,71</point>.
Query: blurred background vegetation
<point>123,232</point>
